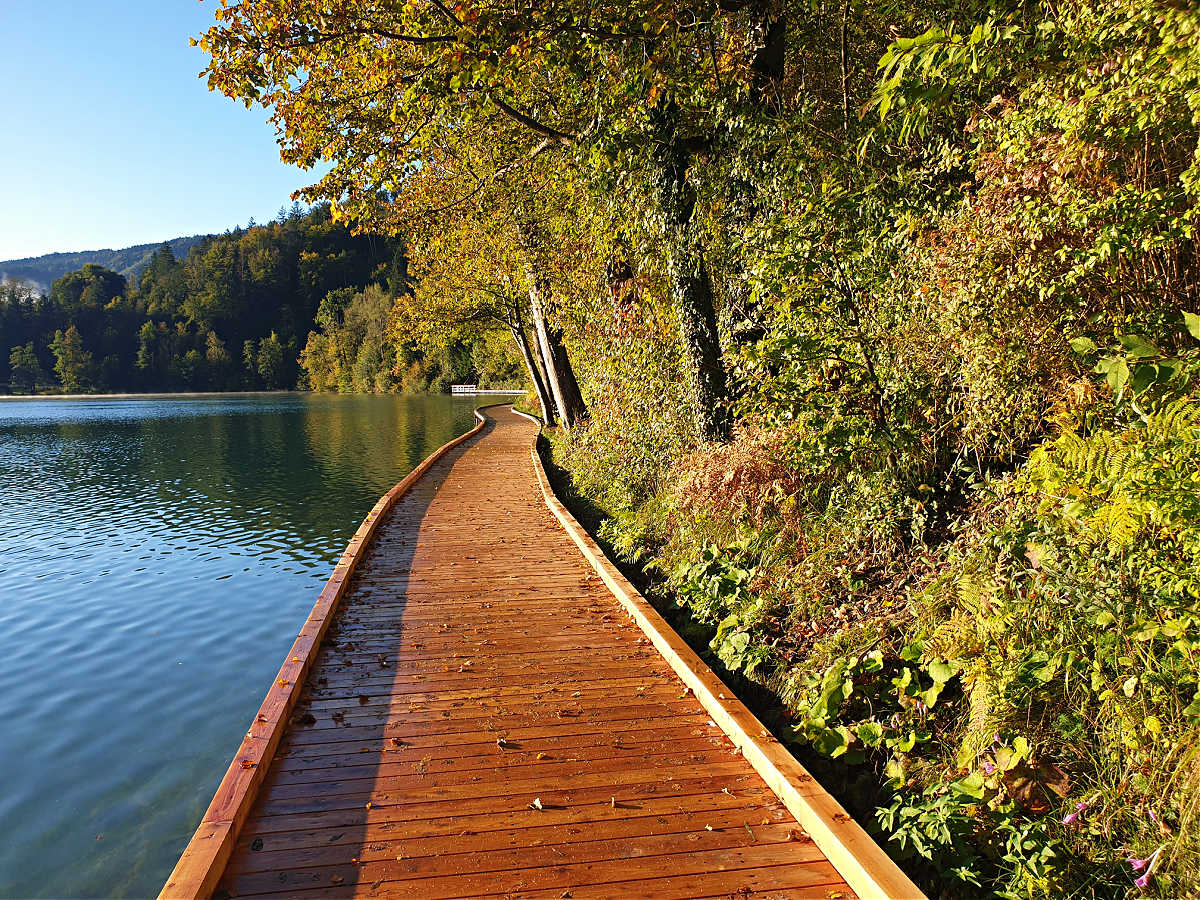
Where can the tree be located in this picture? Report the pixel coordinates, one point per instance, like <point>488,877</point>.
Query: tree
<point>218,362</point>
<point>73,364</point>
<point>269,362</point>
<point>382,93</point>
<point>250,364</point>
<point>24,369</point>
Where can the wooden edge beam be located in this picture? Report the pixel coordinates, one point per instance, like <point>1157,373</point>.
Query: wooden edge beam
<point>869,871</point>
<point>204,859</point>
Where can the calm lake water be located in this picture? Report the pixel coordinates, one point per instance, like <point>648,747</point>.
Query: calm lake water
<point>157,558</point>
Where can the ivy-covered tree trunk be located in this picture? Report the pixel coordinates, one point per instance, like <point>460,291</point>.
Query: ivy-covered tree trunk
<point>559,373</point>
<point>535,372</point>
<point>691,286</point>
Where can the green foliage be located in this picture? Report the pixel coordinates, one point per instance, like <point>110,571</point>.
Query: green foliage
<point>72,363</point>
<point>938,826</point>
<point>169,326</point>
<point>24,368</point>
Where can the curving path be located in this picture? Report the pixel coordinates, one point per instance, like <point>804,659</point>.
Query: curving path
<point>483,718</point>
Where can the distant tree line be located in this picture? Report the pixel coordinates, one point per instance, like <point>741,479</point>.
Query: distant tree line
<point>234,315</point>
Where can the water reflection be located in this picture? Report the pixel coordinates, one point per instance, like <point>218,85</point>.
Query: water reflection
<point>157,557</point>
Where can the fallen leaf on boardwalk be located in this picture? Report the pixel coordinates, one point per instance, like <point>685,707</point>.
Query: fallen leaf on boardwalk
<point>363,699</point>
<point>307,719</point>
<point>283,682</point>
<point>502,743</point>
<point>613,802</point>
<point>396,742</point>
<point>337,837</point>
<point>368,804</point>
<point>337,879</point>
<point>248,764</point>
<point>751,833</point>
<point>577,694</point>
<point>835,895</point>
<point>295,659</point>
<point>364,749</point>
<point>543,756</point>
<point>256,844</point>
<point>708,828</point>
<point>261,717</point>
<point>536,804</point>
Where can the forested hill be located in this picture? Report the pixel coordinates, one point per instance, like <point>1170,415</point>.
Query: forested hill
<point>234,313</point>
<point>41,271</point>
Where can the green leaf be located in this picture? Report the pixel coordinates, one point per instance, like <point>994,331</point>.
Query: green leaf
<point>833,742</point>
<point>1193,708</point>
<point>941,672</point>
<point>870,733</point>
<point>1137,347</point>
<point>1191,322</point>
<point>1083,345</point>
<point>1143,377</point>
<point>971,786</point>
<point>1116,372</point>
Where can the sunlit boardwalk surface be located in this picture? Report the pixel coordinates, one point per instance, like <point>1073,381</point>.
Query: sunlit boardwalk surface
<point>483,719</point>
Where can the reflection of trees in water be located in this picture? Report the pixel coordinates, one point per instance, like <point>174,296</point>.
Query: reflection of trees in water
<point>304,469</point>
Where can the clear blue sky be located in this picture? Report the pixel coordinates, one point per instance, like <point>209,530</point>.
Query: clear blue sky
<point>108,138</point>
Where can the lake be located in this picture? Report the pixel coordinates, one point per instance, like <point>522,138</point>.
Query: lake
<point>157,558</point>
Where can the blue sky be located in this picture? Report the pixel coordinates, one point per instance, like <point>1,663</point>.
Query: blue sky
<point>108,138</point>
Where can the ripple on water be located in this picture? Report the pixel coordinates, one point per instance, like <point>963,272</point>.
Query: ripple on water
<point>157,558</point>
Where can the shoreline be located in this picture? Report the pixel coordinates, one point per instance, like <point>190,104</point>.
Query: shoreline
<point>192,395</point>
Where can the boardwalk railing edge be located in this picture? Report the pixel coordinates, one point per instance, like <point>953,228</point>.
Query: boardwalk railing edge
<point>869,871</point>
<point>203,861</point>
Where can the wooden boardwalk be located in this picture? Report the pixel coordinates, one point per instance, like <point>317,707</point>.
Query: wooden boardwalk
<point>482,718</point>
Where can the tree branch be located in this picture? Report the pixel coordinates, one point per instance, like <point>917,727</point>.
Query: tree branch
<point>546,131</point>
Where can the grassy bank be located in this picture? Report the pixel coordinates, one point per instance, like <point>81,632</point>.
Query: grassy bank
<point>1006,686</point>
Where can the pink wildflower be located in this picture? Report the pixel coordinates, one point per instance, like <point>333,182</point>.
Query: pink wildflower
<point>1147,864</point>
<point>1070,818</point>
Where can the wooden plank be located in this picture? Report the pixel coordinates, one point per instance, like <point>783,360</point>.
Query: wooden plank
<point>204,858</point>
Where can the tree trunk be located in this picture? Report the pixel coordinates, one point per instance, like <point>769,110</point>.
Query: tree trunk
<point>691,288</point>
<point>559,373</point>
<point>535,374</point>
